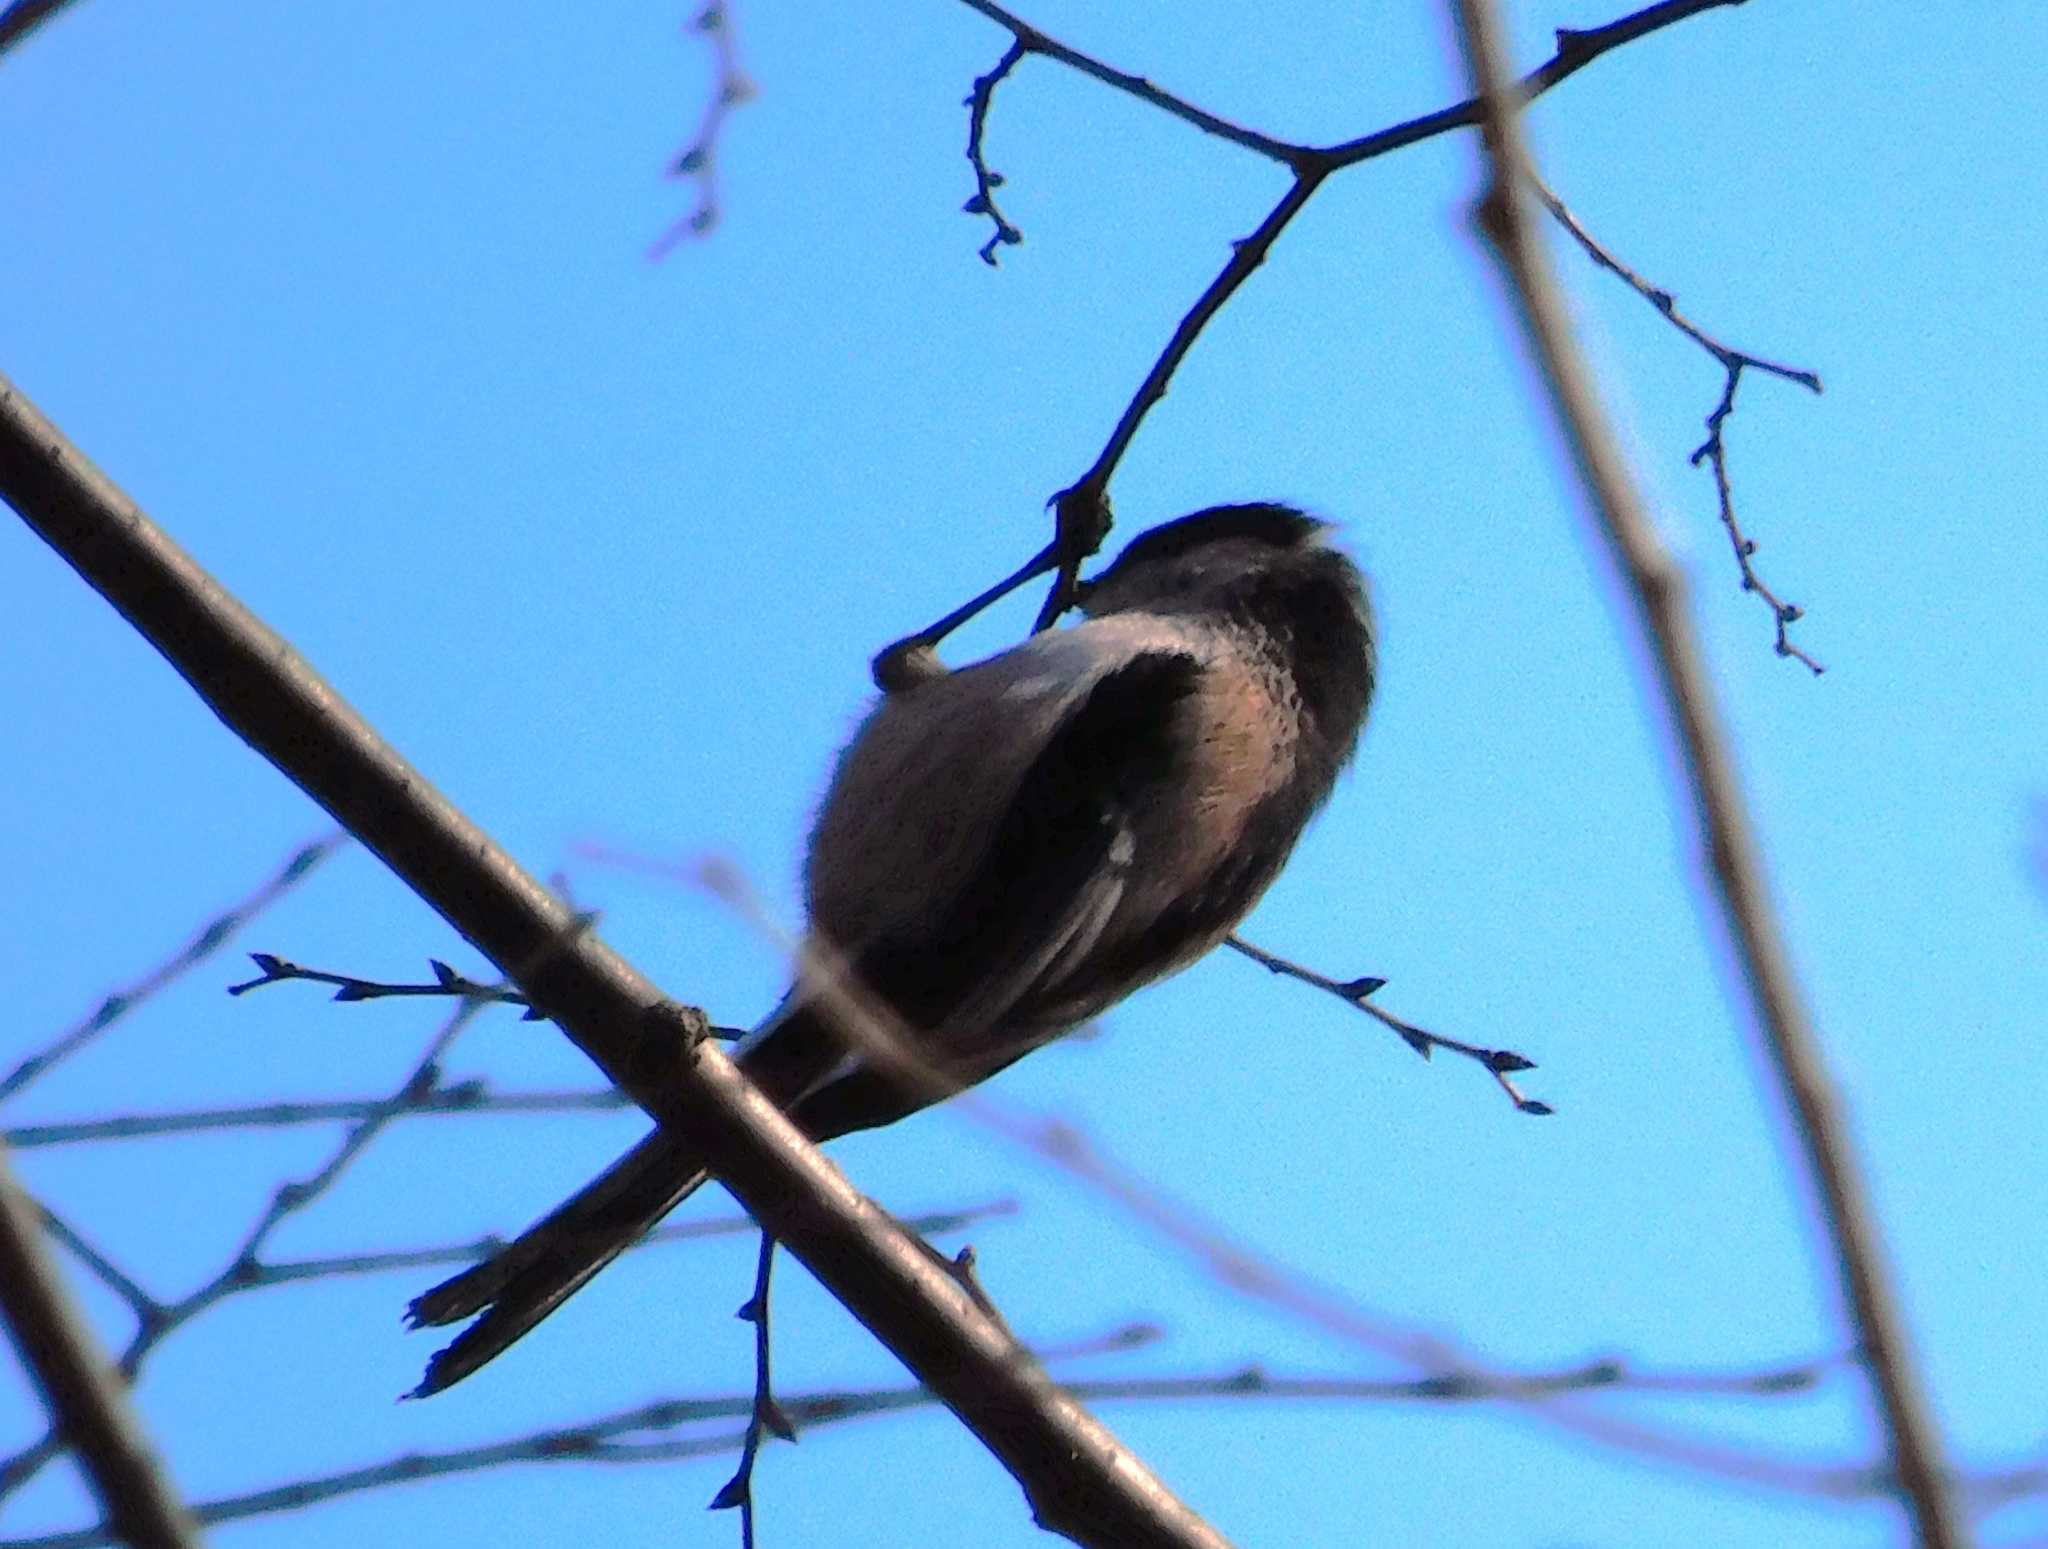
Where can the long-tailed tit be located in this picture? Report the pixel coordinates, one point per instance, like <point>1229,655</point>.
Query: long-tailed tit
<point>1010,849</point>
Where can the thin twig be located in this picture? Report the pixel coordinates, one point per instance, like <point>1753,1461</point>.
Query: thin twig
<point>214,935</point>
<point>459,1097</point>
<point>87,1402</point>
<point>609,1438</point>
<point>147,1309</point>
<point>272,969</point>
<point>1502,1064</point>
<point>447,983</point>
<point>1030,40</point>
<point>987,181</point>
<point>699,161</point>
<point>1091,490</point>
<point>1657,587</point>
<point>1575,50</point>
<point>765,1417</point>
<point>156,1321</point>
<point>288,1271</point>
<point>1310,165</point>
<point>1662,299</point>
<point>1713,450</point>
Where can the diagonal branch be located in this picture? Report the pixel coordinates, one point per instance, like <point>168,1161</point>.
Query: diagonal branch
<point>1502,1064</point>
<point>87,1401</point>
<point>242,1270</point>
<point>211,937</point>
<point>18,20</point>
<point>1575,50</point>
<point>1714,450</point>
<point>1079,1479</point>
<point>1029,40</point>
<point>1735,861</point>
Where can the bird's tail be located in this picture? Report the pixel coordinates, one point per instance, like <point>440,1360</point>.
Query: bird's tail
<point>550,1261</point>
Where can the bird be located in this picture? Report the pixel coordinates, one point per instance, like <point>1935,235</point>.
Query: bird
<point>1008,849</point>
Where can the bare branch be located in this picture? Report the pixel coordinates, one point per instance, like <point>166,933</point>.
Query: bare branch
<point>214,935</point>
<point>87,1402</point>
<point>1575,50</point>
<point>765,1417</point>
<point>1736,864</point>
<point>1091,490</point>
<point>454,1098</point>
<point>1233,1264</point>
<point>613,1438</point>
<point>147,1308</point>
<point>272,969</point>
<point>1665,303</point>
<point>936,1223</point>
<point>246,1270</point>
<point>1079,1479</point>
<point>1030,40</point>
<point>986,182</point>
<point>1713,450</point>
<point>1501,1064</point>
<point>156,1321</point>
<point>1310,165</point>
<point>18,20</point>
<point>699,160</point>
<point>446,984</point>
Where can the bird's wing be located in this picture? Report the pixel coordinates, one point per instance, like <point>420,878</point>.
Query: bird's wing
<point>983,981</point>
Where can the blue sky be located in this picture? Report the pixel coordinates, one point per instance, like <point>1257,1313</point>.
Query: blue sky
<point>355,303</point>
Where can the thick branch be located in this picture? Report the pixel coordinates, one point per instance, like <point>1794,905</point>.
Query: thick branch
<point>87,1400</point>
<point>1080,1480</point>
<point>1657,587</point>
<point>18,20</point>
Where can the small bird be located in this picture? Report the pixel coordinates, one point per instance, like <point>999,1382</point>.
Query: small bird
<point>1010,849</point>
